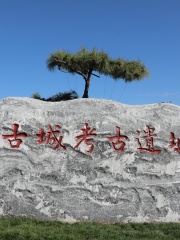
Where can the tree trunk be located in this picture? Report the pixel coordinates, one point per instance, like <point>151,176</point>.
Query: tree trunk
<point>86,90</point>
<point>87,85</point>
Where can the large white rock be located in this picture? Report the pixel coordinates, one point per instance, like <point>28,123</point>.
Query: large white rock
<point>137,179</point>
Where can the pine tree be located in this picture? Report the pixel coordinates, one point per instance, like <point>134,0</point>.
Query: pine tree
<point>84,62</point>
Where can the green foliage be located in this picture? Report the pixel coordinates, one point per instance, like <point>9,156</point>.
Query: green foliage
<point>31,228</point>
<point>98,61</point>
<point>36,95</point>
<point>167,102</point>
<point>82,61</point>
<point>129,71</point>
<point>58,97</point>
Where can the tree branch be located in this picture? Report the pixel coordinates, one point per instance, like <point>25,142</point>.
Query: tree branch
<point>71,68</point>
<point>95,75</point>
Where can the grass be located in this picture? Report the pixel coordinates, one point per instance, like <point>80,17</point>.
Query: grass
<point>29,228</point>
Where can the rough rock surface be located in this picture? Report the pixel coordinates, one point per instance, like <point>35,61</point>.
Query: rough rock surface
<point>130,184</point>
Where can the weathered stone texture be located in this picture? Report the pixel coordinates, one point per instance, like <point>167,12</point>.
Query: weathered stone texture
<point>69,185</point>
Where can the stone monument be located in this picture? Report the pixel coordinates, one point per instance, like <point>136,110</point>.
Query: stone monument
<point>89,160</point>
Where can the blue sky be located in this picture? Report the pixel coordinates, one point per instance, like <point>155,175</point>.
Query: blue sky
<point>148,30</point>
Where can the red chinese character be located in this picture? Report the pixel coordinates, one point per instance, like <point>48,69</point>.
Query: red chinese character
<point>42,134</point>
<point>85,135</point>
<point>148,132</point>
<point>15,128</point>
<point>172,138</point>
<point>117,137</point>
